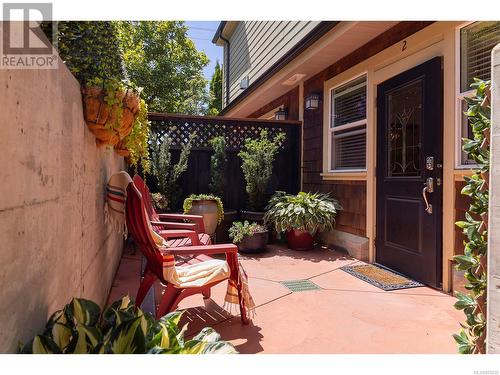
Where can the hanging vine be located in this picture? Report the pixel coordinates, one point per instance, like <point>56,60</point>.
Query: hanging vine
<point>471,339</point>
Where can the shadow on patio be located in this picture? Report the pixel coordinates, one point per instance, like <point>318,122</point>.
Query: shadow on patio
<point>346,315</point>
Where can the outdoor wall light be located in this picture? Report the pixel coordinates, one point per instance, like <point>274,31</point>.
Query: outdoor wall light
<point>312,101</point>
<point>280,114</point>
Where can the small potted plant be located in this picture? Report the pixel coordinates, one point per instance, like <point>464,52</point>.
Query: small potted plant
<point>250,238</point>
<point>301,216</point>
<point>257,158</point>
<point>207,205</point>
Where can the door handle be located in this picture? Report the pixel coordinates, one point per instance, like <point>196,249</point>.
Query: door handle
<point>428,188</point>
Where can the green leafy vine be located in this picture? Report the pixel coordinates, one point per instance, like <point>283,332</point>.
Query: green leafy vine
<point>471,339</point>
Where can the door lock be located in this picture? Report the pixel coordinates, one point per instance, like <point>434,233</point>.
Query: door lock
<point>429,163</point>
<point>428,188</point>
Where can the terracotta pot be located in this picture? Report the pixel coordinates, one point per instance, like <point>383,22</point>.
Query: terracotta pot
<point>121,149</point>
<point>299,240</point>
<point>255,243</point>
<point>208,209</point>
<point>100,118</point>
<point>222,232</point>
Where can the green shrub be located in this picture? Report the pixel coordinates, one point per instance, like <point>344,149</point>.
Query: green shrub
<point>90,49</point>
<point>473,334</point>
<point>166,173</point>
<point>218,162</point>
<point>122,328</point>
<point>258,157</point>
<point>239,230</point>
<point>304,211</point>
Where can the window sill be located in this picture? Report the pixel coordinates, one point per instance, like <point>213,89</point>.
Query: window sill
<point>339,176</point>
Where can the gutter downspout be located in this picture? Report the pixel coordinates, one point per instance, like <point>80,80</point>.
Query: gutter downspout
<point>228,45</point>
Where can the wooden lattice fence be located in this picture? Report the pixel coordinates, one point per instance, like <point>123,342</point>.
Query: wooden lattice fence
<point>286,172</point>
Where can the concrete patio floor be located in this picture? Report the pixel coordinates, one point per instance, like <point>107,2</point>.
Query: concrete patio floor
<point>346,315</point>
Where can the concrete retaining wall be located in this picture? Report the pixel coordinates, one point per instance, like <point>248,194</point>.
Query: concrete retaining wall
<point>493,327</point>
<point>53,244</point>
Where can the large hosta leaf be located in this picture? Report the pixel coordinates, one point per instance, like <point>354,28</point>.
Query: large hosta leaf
<point>128,338</point>
<point>85,311</point>
<point>44,345</point>
<point>61,334</point>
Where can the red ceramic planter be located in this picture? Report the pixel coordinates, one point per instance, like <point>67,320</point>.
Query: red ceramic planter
<point>299,240</point>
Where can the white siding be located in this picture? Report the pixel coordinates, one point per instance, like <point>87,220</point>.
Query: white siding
<point>257,45</point>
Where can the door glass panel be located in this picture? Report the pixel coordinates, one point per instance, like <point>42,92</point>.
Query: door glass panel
<point>404,130</point>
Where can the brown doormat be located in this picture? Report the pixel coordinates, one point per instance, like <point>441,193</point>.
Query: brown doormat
<point>381,277</point>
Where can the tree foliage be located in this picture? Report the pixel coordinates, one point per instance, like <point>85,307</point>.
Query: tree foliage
<point>471,339</point>
<point>160,56</point>
<point>215,104</point>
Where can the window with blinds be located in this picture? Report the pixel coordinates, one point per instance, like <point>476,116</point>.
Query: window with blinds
<point>476,42</point>
<point>348,126</point>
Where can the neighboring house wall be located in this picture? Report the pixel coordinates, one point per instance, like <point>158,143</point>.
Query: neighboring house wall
<point>256,45</point>
<point>493,326</point>
<point>55,244</point>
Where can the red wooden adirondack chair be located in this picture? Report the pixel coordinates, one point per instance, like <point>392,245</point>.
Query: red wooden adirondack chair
<point>137,224</point>
<point>166,228</point>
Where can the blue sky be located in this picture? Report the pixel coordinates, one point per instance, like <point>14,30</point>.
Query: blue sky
<point>202,32</point>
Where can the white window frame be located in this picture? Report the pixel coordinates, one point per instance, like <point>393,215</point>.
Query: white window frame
<point>331,129</point>
<point>459,98</point>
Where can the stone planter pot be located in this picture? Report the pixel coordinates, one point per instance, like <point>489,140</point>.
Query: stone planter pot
<point>255,243</point>
<point>222,232</point>
<point>253,216</point>
<point>299,240</point>
<point>100,118</point>
<point>208,209</point>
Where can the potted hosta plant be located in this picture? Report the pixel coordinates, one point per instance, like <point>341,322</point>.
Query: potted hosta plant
<point>122,328</point>
<point>301,216</point>
<point>250,238</point>
<point>207,205</point>
<point>257,158</point>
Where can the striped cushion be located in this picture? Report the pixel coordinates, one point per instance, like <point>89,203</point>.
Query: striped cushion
<point>178,242</point>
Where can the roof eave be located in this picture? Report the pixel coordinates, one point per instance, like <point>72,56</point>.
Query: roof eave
<point>218,33</point>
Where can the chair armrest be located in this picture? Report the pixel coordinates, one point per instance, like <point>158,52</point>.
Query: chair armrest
<point>179,233</point>
<point>197,219</point>
<point>207,249</point>
<point>175,225</point>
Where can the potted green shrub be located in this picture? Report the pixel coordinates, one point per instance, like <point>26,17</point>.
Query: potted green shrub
<point>250,238</point>
<point>301,216</point>
<point>257,158</point>
<point>207,205</point>
<point>167,174</point>
<point>218,164</point>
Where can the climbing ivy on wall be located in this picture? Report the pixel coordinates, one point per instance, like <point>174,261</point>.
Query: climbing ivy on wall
<point>471,339</point>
